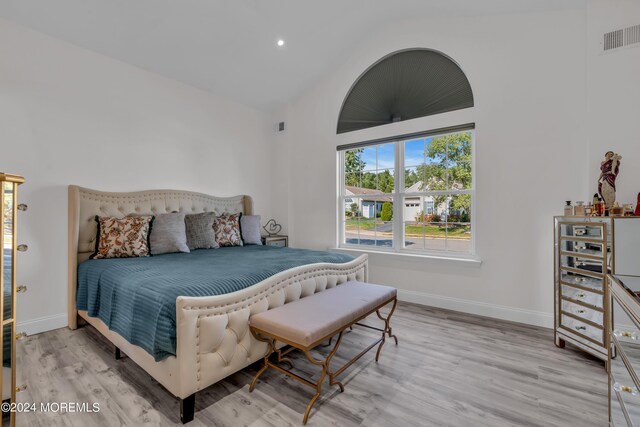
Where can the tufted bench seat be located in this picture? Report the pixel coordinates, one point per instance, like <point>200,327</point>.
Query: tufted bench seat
<point>310,321</point>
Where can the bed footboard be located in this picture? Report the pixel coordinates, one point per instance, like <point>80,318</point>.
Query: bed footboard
<point>213,338</point>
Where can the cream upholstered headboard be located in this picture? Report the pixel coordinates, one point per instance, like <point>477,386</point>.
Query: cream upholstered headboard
<point>85,204</point>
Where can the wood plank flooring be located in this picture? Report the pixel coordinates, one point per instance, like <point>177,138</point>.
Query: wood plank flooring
<point>449,369</point>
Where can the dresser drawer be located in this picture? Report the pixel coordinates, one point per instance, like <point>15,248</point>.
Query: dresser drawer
<point>578,247</point>
<point>593,231</point>
<point>618,415</point>
<point>575,278</point>
<point>627,391</point>
<point>581,262</point>
<point>583,312</point>
<point>586,297</point>
<point>626,336</point>
<point>576,326</point>
<point>280,243</point>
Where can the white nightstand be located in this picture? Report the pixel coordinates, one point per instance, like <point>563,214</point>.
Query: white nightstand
<point>278,241</point>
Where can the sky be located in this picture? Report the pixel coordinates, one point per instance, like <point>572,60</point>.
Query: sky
<point>413,155</point>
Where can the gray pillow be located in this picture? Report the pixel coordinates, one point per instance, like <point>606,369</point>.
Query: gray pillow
<point>200,234</point>
<point>168,234</point>
<point>250,229</point>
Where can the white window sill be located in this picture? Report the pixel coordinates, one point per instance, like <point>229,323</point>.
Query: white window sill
<point>469,261</point>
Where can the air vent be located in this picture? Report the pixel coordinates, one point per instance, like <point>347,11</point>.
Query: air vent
<point>620,38</point>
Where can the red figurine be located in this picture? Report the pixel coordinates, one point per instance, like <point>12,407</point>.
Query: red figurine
<point>637,212</point>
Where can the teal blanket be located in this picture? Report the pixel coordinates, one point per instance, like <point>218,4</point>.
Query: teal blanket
<point>136,297</point>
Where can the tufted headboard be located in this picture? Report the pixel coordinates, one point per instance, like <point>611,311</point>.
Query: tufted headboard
<point>85,204</point>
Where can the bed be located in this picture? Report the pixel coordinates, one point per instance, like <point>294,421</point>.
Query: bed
<point>211,338</point>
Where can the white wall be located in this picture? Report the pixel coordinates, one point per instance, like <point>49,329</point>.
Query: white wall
<point>69,116</point>
<point>614,96</point>
<point>529,80</point>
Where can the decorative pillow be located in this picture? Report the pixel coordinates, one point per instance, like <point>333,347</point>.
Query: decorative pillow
<point>200,233</point>
<point>123,237</point>
<point>168,234</point>
<point>250,229</point>
<point>227,229</point>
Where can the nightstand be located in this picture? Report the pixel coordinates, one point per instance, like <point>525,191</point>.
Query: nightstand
<point>277,240</point>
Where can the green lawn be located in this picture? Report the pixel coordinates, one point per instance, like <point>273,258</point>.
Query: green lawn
<point>364,223</point>
<point>436,231</point>
<point>459,231</point>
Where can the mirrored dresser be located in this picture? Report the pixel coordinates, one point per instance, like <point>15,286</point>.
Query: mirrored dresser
<point>10,247</point>
<point>624,361</point>
<point>587,249</point>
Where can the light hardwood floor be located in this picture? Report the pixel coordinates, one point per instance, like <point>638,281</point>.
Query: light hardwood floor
<point>449,369</point>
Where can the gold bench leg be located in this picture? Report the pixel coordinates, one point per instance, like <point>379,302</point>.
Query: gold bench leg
<point>272,347</point>
<point>325,369</point>
<point>387,328</point>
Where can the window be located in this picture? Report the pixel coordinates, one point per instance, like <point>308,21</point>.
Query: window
<point>426,208</point>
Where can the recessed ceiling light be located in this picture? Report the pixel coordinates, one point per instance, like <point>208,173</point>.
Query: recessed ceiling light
<point>280,42</point>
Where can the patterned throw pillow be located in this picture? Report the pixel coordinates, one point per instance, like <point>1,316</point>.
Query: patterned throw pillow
<point>123,237</point>
<point>200,233</point>
<point>227,229</point>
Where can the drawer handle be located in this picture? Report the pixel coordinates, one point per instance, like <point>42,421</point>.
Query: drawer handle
<point>581,311</point>
<point>626,334</point>
<point>22,207</point>
<point>581,328</point>
<point>21,387</point>
<point>620,388</point>
<point>581,279</point>
<point>21,335</point>
<point>23,248</point>
<point>581,295</point>
<point>21,288</point>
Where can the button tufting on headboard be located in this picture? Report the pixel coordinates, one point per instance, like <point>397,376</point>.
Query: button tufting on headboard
<point>91,203</point>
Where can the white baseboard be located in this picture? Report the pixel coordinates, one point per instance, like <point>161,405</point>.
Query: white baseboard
<point>42,324</point>
<point>531,317</point>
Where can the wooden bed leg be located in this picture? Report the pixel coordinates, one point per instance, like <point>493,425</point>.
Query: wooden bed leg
<point>187,408</point>
<point>117,354</point>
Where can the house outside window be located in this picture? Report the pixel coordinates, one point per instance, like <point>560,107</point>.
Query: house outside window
<point>427,208</point>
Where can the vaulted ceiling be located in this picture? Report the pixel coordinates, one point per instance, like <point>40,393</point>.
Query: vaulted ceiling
<point>228,47</point>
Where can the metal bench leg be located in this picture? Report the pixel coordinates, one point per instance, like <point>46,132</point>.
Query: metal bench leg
<point>387,328</point>
<point>272,347</point>
<point>325,369</point>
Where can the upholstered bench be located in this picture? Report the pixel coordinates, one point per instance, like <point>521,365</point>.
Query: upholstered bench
<point>310,321</point>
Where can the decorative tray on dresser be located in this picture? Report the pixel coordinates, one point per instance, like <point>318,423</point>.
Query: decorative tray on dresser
<point>624,361</point>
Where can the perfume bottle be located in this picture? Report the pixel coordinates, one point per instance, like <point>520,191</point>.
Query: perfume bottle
<point>598,205</point>
<point>602,208</point>
<point>579,209</point>
<point>568,209</point>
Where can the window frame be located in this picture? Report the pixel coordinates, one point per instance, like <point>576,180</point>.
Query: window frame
<point>398,196</point>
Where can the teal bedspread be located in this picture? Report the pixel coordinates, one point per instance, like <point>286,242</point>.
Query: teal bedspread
<point>136,297</point>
